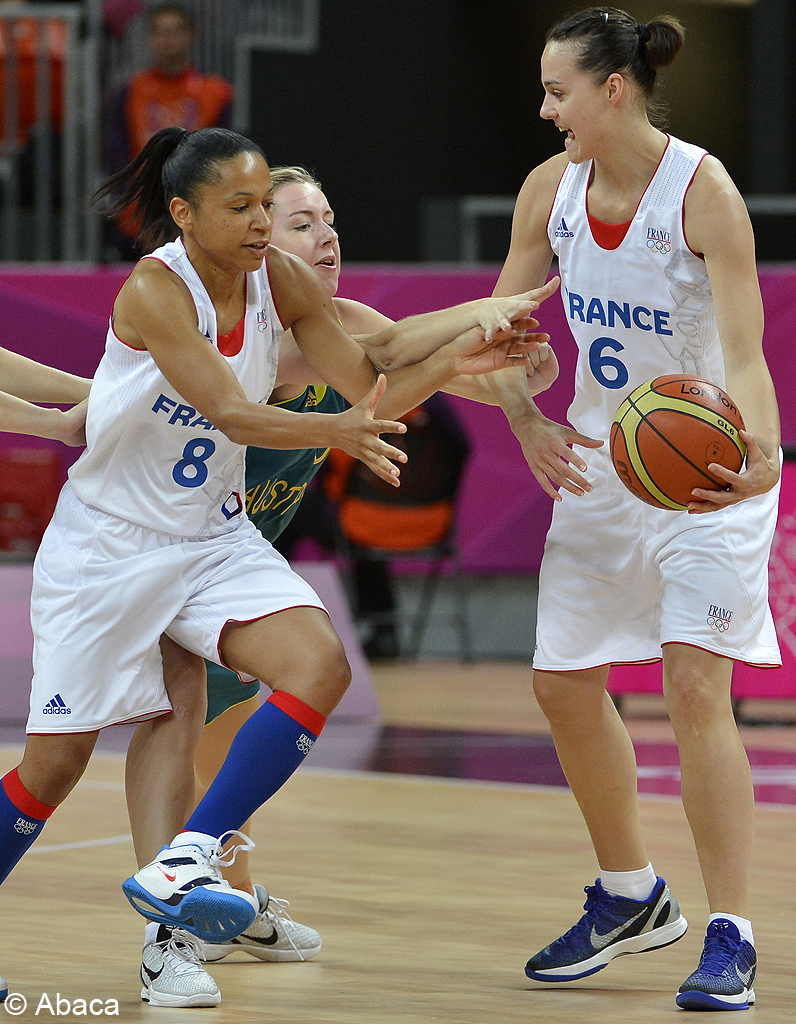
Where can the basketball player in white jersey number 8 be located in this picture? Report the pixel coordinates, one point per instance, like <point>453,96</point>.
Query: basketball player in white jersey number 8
<point>620,580</point>
<point>150,535</point>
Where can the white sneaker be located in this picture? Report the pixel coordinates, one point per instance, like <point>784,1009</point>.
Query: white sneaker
<point>171,974</point>
<point>183,887</point>
<point>274,936</point>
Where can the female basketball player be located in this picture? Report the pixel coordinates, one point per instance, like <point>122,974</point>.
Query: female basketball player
<point>302,226</point>
<point>622,581</point>
<point>150,532</point>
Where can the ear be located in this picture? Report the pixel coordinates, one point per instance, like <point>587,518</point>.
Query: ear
<point>617,86</point>
<point>181,213</point>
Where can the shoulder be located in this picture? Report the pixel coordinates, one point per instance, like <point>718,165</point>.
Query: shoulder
<point>714,209</point>
<point>541,184</point>
<point>295,288</point>
<point>357,318</point>
<point>152,287</point>
<point>537,196</point>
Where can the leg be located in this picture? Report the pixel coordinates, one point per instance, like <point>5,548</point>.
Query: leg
<point>159,779</point>
<point>50,769</point>
<point>716,780</point>
<point>297,650</point>
<point>298,654</point>
<point>210,754</point>
<point>274,936</point>
<point>598,759</point>
<point>599,762</point>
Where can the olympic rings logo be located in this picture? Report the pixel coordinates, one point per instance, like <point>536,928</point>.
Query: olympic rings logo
<point>722,625</point>
<point>657,246</point>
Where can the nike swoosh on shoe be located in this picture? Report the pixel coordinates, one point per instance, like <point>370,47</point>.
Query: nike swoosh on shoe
<point>601,941</point>
<point>272,939</point>
<point>746,977</point>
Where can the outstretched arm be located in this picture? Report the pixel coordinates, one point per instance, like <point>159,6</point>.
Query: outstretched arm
<point>545,444</point>
<point>417,337</point>
<point>36,382</point>
<point>23,382</point>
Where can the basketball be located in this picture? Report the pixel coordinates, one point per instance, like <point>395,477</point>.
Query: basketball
<point>666,434</point>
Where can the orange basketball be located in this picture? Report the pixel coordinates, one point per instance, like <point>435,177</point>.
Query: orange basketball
<point>666,434</point>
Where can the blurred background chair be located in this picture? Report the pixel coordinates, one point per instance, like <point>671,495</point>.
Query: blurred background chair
<point>379,526</point>
<point>30,481</point>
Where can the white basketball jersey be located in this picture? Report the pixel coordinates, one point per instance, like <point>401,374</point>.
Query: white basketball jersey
<point>153,459</point>
<point>638,311</point>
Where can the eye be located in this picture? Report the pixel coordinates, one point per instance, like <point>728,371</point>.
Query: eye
<point>240,209</point>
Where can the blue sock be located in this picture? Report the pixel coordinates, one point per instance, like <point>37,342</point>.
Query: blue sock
<point>264,754</point>
<point>22,817</point>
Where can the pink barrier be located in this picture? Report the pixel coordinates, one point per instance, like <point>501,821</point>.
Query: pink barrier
<point>748,682</point>
<point>59,315</point>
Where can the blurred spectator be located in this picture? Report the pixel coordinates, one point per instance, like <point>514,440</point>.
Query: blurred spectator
<point>21,40</point>
<point>169,92</point>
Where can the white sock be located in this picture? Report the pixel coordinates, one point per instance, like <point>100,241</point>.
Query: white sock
<point>151,931</point>
<point>634,885</point>
<point>743,926</point>
<point>193,839</point>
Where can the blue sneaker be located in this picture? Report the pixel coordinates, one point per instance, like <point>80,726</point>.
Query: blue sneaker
<point>726,972</point>
<point>184,887</point>
<point>3,990</point>
<point>612,926</point>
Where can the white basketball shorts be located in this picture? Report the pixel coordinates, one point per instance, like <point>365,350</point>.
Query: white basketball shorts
<point>104,590</point>
<point>620,578</point>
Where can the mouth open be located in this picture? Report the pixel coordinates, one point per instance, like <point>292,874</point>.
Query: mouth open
<point>327,261</point>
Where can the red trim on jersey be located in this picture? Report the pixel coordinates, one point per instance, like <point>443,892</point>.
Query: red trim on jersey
<point>300,712</point>
<point>608,236</point>
<point>112,329</point>
<point>555,196</point>
<point>23,800</point>
<point>231,343</point>
<point>699,255</point>
<point>268,275</point>
<point>649,183</point>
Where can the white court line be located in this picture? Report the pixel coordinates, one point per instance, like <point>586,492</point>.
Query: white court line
<point>86,843</point>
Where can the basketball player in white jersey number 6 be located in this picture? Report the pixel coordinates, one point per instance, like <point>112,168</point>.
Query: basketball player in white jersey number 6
<point>658,276</point>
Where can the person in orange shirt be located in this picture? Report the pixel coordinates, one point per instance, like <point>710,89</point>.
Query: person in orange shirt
<point>169,92</point>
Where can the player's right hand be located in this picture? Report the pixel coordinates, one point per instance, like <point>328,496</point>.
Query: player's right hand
<point>359,435</point>
<point>547,449</point>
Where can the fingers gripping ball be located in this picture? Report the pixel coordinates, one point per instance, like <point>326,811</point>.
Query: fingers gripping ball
<point>666,434</point>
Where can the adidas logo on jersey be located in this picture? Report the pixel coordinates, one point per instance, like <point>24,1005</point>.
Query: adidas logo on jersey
<point>56,706</point>
<point>562,231</point>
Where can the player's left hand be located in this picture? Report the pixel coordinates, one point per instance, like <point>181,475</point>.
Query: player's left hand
<point>760,475</point>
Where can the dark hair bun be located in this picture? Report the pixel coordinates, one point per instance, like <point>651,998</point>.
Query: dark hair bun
<point>666,38</point>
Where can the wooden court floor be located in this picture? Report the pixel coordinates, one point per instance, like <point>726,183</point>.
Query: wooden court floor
<point>429,894</point>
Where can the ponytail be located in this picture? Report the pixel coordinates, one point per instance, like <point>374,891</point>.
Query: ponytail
<point>174,162</point>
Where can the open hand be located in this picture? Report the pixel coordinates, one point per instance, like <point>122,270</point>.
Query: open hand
<point>547,449</point>
<point>360,435</point>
